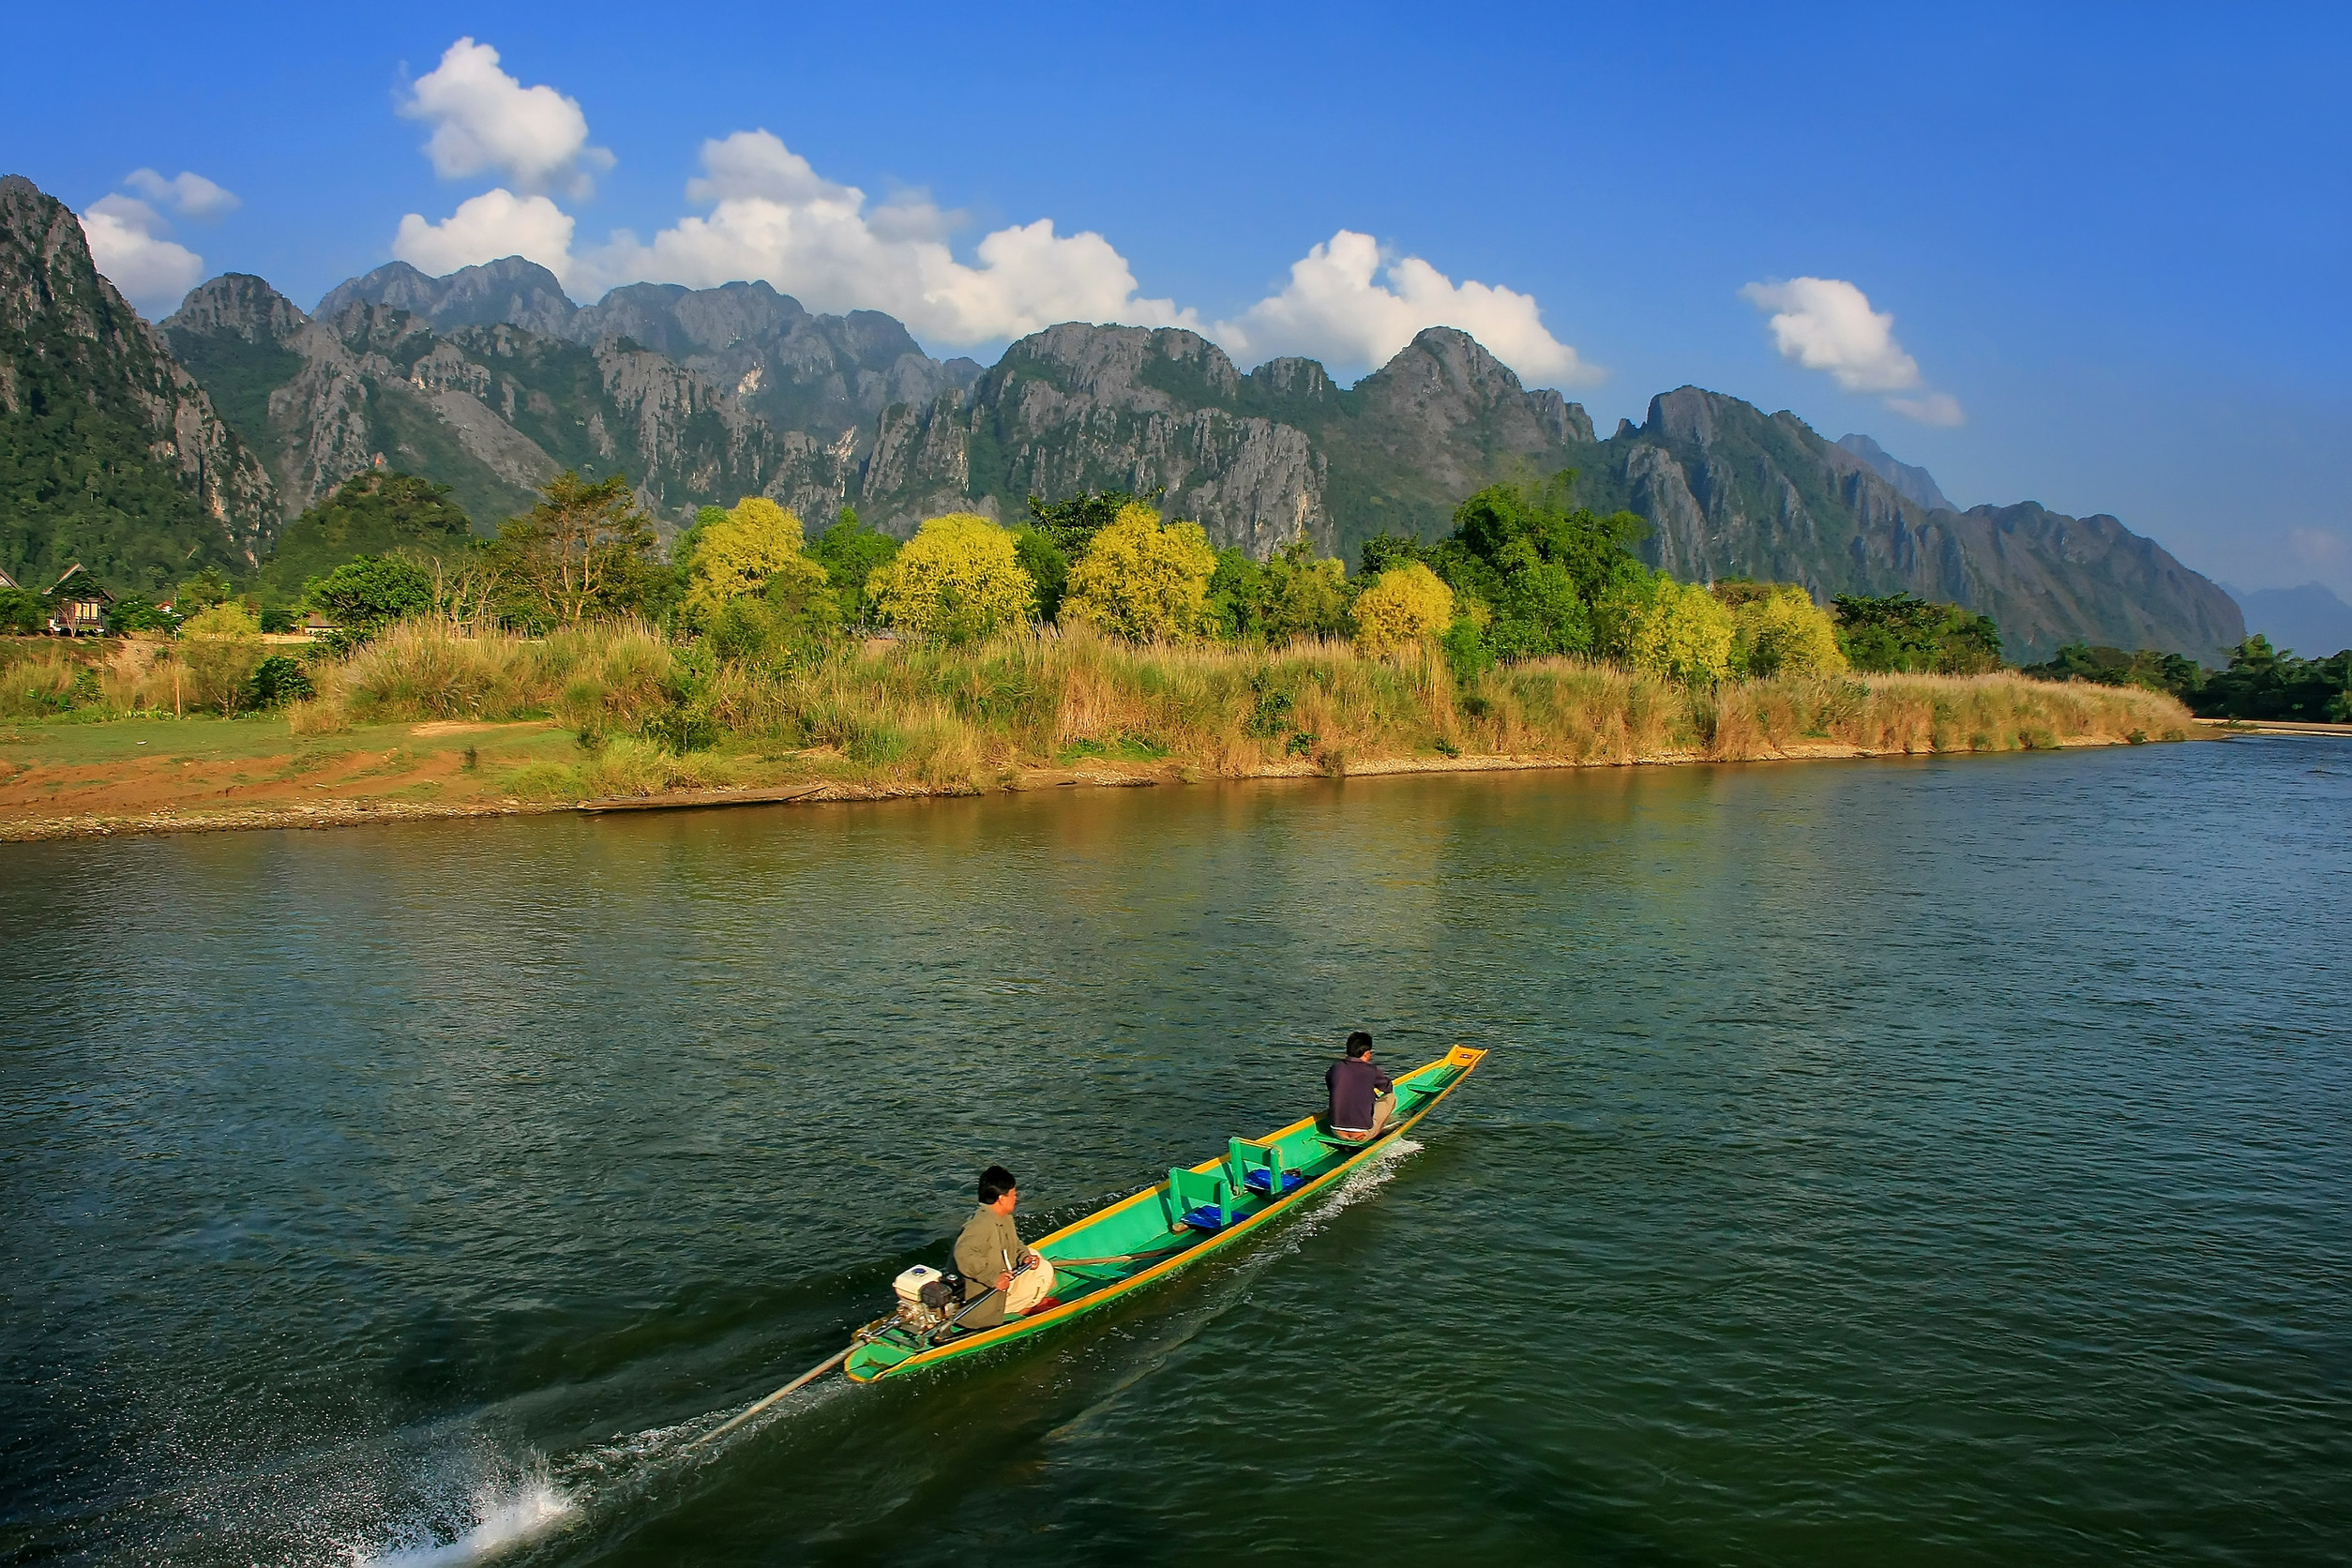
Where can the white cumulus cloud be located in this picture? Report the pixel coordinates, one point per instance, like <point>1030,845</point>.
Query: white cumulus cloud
<point>485,121</point>
<point>1334,309</point>
<point>190,194</point>
<point>128,246</point>
<point>485,228</point>
<point>774,218</point>
<point>1930,408</point>
<point>1826,324</point>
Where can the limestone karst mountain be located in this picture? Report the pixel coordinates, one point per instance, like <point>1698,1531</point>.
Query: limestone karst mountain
<point>819,375</point>
<point>110,453</point>
<point>1732,492</point>
<point>1258,458</point>
<point>1913,483</point>
<point>491,379</point>
<point>1729,491</point>
<point>490,409</point>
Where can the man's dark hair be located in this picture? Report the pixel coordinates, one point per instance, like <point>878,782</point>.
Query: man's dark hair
<point>995,1183</point>
<point>1359,1043</point>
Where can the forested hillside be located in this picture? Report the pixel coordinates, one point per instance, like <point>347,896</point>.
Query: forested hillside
<point>110,453</point>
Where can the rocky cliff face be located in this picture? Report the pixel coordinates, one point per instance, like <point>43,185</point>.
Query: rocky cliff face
<point>1914,484</point>
<point>1731,491</point>
<point>491,410</point>
<point>822,375</point>
<point>1259,460</point>
<point>490,379</point>
<point>511,291</point>
<point>110,453</point>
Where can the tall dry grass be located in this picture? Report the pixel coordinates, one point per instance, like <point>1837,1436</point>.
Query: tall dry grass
<point>942,718</point>
<point>113,678</point>
<point>950,719</point>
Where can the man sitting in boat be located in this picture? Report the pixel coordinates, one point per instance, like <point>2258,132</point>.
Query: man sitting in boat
<point>990,1254</point>
<point>1362,1097</point>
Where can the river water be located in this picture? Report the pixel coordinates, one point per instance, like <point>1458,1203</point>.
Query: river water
<point>1936,1162</point>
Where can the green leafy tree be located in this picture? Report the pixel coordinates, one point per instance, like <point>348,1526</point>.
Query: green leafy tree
<point>2101,665</point>
<point>207,588</point>
<point>1233,592</point>
<point>276,682</point>
<point>1538,564</point>
<point>958,579</point>
<point>1144,580</point>
<point>2263,682</point>
<point>795,617</point>
<point>138,613</point>
<point>21,611</point>
<point>1046,566</point>
<point>364,595</point>
<point>1902,632</point>
<point>1073,522</point>
<point>682,548</point>
<point>585,550</point>
<point>1382,551</point>
<point>851,553</point>
<point>1464,648</point>
<point>1300,594</point>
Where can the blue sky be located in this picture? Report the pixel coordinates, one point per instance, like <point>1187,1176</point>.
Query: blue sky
<point>2113,242</point>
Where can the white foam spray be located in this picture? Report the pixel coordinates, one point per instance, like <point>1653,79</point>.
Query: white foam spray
<point>502,1515</point>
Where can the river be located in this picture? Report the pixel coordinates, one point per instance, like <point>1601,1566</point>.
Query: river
<point>1934,1162</point>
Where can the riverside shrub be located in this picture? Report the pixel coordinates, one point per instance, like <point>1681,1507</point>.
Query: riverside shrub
<point>741,552</point>
<point>1404,605</point>
<point>1144,580</point>
<point>220,648</point>
<point>1776,630</point>
<point>956,580</point>
<point>1669,628</point>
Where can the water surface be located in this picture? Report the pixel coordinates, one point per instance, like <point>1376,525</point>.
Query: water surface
<point>1945,1162</point>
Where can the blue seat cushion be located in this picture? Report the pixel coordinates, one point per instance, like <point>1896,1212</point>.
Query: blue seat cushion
<point>1257,1180</point>
<point>1206,1218</point>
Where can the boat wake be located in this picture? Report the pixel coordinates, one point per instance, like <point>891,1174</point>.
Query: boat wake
<point>500,1515</point>
<point>1361,1182</point>
<point>543,1497</point>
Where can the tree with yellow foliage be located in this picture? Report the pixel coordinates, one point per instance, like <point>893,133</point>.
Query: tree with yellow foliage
<point>1778,630</point>
<point>958,579</point>
<point>741,552</point>
<point>1403,607</point>
<point>1144,580</point>
<point>1675,629</point>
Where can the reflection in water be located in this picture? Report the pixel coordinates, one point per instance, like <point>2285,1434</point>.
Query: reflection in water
<point>1876,1162</point>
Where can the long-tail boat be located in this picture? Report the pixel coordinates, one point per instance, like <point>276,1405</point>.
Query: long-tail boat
<point>1195,1210</point>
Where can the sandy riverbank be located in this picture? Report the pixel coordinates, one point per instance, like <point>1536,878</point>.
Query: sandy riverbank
<point>82,780</point>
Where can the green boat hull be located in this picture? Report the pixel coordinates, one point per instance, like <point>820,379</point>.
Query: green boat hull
<point>1140,1238</point>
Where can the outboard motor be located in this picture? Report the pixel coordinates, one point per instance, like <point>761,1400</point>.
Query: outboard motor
<point>928,1300</point>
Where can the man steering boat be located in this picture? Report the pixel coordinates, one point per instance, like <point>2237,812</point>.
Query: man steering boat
<point>991,1256</point>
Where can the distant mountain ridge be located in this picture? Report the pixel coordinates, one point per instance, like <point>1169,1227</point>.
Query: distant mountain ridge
<point>491,379</point>
<point>1915,485</point>
<point>820,375</point>
<point>2311,620</point>
<point>490,409</point>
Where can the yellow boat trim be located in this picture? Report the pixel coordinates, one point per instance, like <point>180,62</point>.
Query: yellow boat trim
<point>1462,1057</point>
